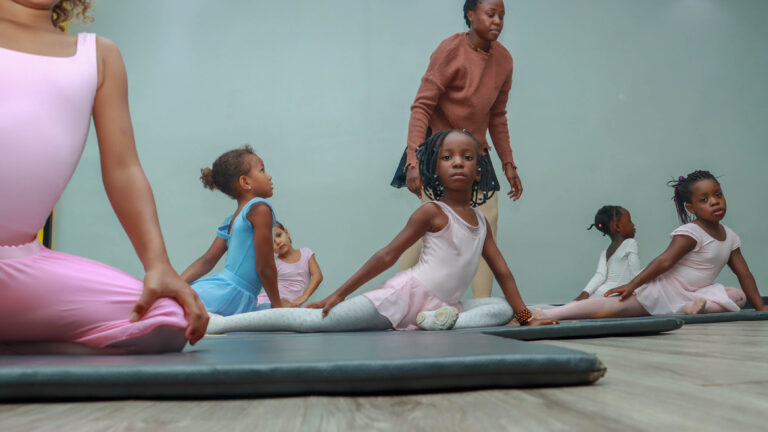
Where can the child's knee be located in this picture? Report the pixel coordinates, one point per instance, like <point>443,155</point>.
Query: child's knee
<point>737,296</point>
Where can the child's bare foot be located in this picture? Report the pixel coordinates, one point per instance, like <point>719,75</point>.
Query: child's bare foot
<point>695,307</point>
<point>441,319</point>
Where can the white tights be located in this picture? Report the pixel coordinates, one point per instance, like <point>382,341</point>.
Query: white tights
<point>355,314</point>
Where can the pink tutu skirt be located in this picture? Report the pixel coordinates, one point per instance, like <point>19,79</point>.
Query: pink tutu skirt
<point>667,294</point>
<point>402,297</point>
<point>48,296</point>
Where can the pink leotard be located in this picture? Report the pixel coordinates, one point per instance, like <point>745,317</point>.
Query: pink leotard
<point>46,296</point>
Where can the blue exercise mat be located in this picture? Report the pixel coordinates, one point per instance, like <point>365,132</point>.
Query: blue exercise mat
<point>261,365</point>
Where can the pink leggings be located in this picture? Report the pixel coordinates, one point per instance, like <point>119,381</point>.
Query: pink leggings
<point>611,307</point>
<point>51,302</point>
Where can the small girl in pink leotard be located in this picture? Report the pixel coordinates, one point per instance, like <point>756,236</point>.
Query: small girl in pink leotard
<point>50,85</point>
<point>682,279</point>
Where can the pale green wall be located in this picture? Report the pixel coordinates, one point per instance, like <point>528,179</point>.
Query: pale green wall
<point>611,98</point>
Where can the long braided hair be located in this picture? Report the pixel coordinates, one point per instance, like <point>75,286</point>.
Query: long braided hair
<point>682,187</point>
<point>428,153</point>
<point>604,217</point>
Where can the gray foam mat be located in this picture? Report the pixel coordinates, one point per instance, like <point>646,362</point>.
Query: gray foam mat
<point>260,364</point>
<point>743,315</point>
<point>586,328</point>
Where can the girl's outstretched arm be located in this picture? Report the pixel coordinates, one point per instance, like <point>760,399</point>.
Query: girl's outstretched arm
<point>503,275</point>
<point>260,216</point>
<point>425,218</point>
<point>315,277</point>
<point>205,263</point>
<point>680,245</point>
<point>738,264</point>
<point>131,196</point>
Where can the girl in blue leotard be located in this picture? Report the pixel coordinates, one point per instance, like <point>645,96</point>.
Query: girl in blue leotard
<point>246,237</point>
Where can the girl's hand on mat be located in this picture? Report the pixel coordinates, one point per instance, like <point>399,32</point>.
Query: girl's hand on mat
<point>541,322</point>
<point>582,296</point>
<point>514,181</point>
<point>624,292</point>
<point>326,304</point>
<point>413,180</point>
<point>163,281</point>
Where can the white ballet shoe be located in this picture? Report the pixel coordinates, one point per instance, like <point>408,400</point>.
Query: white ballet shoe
<point>441,319</point>
<point>695,307</point>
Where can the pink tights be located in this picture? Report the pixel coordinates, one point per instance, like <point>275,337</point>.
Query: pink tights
<point>611,307</point>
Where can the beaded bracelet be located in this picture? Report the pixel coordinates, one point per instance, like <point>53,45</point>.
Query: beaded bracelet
<point>523,316</point>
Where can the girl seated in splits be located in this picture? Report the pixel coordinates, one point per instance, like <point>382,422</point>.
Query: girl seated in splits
<point>455,236</point>
<point>620,262</point>
<point>682,279</point>
<point>51,83</point>
<point>245,236</point>
<point>298,274</point>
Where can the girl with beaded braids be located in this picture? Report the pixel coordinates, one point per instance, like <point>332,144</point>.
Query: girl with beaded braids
<point>427,296</point>
<point>619,263</point>
<point>466,85</point>
<point>682,279</point>
<point>245,236</point>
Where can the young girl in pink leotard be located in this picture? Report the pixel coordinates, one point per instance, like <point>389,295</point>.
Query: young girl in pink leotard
<point>682,279</point>
<point>51,83</point>
<point>298,274</point>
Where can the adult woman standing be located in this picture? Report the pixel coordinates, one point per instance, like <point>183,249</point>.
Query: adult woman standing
<point>465,87</point>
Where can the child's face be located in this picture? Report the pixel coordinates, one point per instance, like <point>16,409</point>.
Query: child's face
<point>707,201</point>
<point>282,242</point>
<point>457,162</point>
<point>487,19</point>
<point>625,226</point>
<point>259,181</point>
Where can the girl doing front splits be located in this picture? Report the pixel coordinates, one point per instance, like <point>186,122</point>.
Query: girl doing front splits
<point>455,235</point>
<point>682,279</point>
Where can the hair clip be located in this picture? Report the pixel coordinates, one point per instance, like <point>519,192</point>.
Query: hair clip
<point>681,179</point>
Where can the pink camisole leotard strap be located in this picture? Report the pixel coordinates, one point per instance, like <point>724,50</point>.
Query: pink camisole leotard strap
<point>46,296</point>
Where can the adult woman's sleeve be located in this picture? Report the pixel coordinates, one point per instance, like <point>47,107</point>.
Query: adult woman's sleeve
<point>498,127</point>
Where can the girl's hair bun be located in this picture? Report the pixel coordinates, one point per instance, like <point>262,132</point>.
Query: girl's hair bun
<point>206,176</point>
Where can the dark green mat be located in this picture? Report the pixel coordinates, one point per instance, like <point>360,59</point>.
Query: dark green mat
<point>259,365</point>
<point>586,328</point>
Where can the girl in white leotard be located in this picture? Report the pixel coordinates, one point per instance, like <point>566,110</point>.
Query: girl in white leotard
<point>427,296</point>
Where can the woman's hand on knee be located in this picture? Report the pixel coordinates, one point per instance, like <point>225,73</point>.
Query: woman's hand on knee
<point>327,303</point>
<point>165,282</point>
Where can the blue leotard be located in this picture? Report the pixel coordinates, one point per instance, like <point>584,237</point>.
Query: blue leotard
<point>234,290</point>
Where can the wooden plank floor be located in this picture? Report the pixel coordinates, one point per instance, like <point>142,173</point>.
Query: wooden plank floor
<point>701,377</point>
